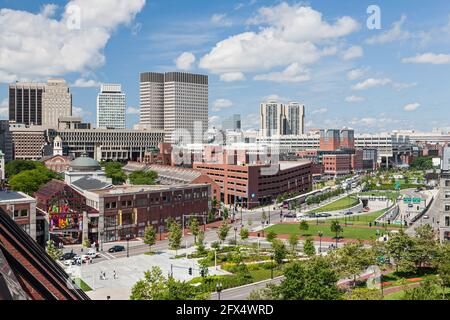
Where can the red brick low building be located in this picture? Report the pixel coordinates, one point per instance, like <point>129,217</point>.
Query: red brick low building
<point>252,185</point>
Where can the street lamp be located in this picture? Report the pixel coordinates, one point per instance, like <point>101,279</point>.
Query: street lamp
<point>235,235</point>
<point>128,245</point>
<point>102,238</point>
<point>263,223</point>
<point>320,234</point>
<point>219,289</point>
<point>271,267</point>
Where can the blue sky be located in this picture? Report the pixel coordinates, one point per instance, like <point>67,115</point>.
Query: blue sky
<point>320,53</point>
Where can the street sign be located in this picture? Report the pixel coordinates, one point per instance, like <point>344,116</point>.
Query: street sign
<point>397,185</point>
<point>417,200</point>
<point>407,200</point>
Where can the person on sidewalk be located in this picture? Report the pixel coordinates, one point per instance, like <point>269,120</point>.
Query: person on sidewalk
<point>114,274</point>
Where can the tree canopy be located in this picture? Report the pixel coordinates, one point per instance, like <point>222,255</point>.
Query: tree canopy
<point>30,181</point>
<point>143,177</point>
<point>114,171</point>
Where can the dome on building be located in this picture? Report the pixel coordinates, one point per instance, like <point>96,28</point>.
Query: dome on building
<point>84,163</point>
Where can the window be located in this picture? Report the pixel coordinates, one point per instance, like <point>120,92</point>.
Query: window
<point>20,213</point>
<point>447,221</point>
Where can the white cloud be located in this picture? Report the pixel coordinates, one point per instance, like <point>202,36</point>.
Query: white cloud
<point>353,53</point>
<point>220,104</point>
<point>275,97</point>
<point>39,45</point>
<point>221,20</point>
<point>356,73</point>
<point>79,112</point>
<point>431,58</point>
<point>133,110</point>
<point>185,61</point>
<point>402,86</point>
<point>411,106</point>
<point>4,109</point>
<point>232,76</point>
<point>49,10</point>
<point>214,120</point>
<point>293,73</point>
<point>392,35</point>
<point>83,83</point>
<point>319,111</point>
<point>353,99</point>
<point>370,83</point>
<point>287,34</point>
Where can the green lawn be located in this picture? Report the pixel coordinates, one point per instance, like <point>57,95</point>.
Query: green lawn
<point>351,232</point>
<point>362,219</point>
<point>263,274</point>
<point>391,195</point>
<point>395,296</point>
<point>341,204</point>
<point>83,285</point>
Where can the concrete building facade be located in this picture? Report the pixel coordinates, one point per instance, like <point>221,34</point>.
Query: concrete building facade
<point>56,102</point>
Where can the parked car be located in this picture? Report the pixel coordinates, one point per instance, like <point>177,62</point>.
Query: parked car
<point>290,215</point>
<point>71,261</point>
<point>93,253</point>
<point>116,249</point>
<point>67,256</point>
<point>83,259</point>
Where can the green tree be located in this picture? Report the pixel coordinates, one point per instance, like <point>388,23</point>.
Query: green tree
<point>352,259</point>
<point>397,248</point>
<point>150,236</point>
<point>279,251</point>
<point>211,216</point>
<point>244,233</point>
<point>293,242</point>
<point>314,279</point>
<point>143,177</point>
<point>201,242</point>
<point>30,181</point>
<point>225,213</point>
<point>52,251</point>
<point>308,247</point>
<point>303,226</point>
<point>194,228</point>
<point>114,171</point>
<point>17,166</point>
<point>223,231</point>
<point>86,243</point>
<point>336,228</point>
<point>271,235</point>
<point>175,235</point>
<point>443,264</point>
<point>364,294</point>
<point>429,290</point>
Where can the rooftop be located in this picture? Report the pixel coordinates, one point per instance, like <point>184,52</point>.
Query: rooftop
<point>292,164</point>
<point>8,196</point>
<point>88,183</point>
<point>129,189</point>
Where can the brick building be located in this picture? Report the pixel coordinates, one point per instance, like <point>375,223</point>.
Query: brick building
<point>256,184</point>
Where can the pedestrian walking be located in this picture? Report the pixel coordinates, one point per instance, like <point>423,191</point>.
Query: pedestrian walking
<point>114,274</point>
<point>101,275</point>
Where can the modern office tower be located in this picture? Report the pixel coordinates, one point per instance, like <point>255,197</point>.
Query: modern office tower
<point>152,100</point>
<point>330,140</point>
<point>185,105</point>
<point>111,107</point>
<point>295,119</point>
<point>272,119</point>
<point>347,139</point>
<point>182,105</point>
<point>25,102</point>
<point>56,102</point>
<point>232,123</point>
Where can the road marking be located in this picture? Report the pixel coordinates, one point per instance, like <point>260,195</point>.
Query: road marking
<point>107,255</point>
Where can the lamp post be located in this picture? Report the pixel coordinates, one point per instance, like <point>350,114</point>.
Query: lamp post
<point>219,289</point>
<point>102,238</point>
<point>128,245</point>
<point>235,235</point>
<point>262,224</point>
<point>271,267</point>
<point>320,234</point>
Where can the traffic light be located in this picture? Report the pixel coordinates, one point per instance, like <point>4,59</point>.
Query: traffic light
<point>190,271</point>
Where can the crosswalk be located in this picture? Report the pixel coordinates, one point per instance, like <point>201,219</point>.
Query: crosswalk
<point>107,255</point>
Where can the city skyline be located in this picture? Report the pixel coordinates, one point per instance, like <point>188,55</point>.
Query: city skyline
<point>376,80</point>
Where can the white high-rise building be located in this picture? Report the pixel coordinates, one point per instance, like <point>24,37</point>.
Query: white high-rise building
<point>176,102</point>
<point>152,100</point>
<point>111,107</point>
<point>56,102</point>
<point>278,119</point>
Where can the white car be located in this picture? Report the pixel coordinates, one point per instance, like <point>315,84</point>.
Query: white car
<point>92,253</point>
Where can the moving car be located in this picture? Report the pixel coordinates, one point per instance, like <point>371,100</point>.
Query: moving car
<point>82,259</point>
<point>116,249</point>
<point>93,253</point>
<point>348,213</point>
<point>67,256</point>
<point>290,215</point>
<point>426,217</point>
